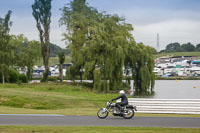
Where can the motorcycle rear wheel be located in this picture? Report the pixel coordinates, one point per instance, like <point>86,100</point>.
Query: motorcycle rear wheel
<point>130,114</point>
<point>102,113</point>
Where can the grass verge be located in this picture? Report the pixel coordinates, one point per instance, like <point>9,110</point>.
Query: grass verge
<point>66,129</point>
<point>48,98</point>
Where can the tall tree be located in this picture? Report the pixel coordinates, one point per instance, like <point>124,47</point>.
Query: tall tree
<point>95,42</point>
<point>77,17</point>
<point>99,44</point>
<point>42,15</point>
<point>106,51</point>
<point>6,54</point>
<point>141,63</point>
<point>61,56</point>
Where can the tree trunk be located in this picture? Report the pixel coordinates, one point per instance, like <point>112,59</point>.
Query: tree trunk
<point>81,76</point>
<point>3,79</point>
<point>29,71</point>
<point>46,60</point>
<point>61,72</point>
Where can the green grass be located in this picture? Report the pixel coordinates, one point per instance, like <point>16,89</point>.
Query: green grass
<point>56,98</point>
<point>66,129</point>
<point>51,98</point>
<point>197,54</point>
<point>53,61</point>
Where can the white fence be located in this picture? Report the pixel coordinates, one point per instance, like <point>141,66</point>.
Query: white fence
<point>175,106</point>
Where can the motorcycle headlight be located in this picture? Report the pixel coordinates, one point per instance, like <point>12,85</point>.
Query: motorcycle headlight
<point>108,103</point>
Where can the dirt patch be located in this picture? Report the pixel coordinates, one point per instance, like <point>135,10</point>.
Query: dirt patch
<point>3,99</point>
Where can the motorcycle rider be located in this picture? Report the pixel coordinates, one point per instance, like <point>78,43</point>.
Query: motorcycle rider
<point>124,100</point>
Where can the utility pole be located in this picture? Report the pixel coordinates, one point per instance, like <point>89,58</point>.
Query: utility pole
<point>158,47</point>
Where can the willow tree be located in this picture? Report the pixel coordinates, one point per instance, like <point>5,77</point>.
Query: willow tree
<point>141,63</point>
<point>101,44</point>
<point>77,16</point>
<point>42,15</point>
<point>95,40</point>
<point>6,53</point>
<point>107,50</point>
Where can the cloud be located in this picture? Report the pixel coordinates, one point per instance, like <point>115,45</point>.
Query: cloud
<point>170,31</point>
<point>174,20</point>
<point>172,25</point>
<point>27,26</point>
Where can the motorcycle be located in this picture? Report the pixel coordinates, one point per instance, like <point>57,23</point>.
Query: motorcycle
<point>127,112</point>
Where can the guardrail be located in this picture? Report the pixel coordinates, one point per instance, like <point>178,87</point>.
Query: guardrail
<point>169,106</point>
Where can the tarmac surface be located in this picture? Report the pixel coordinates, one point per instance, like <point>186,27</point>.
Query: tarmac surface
<point>61,120</point>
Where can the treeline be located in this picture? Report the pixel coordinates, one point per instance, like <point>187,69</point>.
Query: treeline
<point>55,50</point>
<point>17,53</point>
<point>177,47</point>
<point>22,55</point>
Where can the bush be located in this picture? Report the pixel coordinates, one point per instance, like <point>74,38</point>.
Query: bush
<point>23,78</point>
<point>13,76</point>
<point>53,79</point>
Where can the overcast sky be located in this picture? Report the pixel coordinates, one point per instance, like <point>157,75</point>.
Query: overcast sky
<point>174,20</point>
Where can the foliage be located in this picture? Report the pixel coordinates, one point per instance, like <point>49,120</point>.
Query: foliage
<point>141,63</point>
<point>13,76</point>
<point>173,47</point>
<point>198,47</point>
<point>23,78</point>
<point>188,47</point>
<point>61,57</point>
<point>53,79</point>
<point>176,47</point>
<point>42,15</point>
<point>6,55</point>
<point>99,45</point>
<point>26,53</point>
<point>97,81</point>
<point>55,50</point>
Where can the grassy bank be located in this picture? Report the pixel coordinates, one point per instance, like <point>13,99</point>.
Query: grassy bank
<point>50,98</point>
<point>64,129</point>
<point>56,98</point>
<point>197,54</point>
<point>53,61</point>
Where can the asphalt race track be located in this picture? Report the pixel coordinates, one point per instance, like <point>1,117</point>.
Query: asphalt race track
<point>61,120</point>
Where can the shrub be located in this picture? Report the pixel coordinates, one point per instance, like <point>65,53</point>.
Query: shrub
<point>13,76</point>
<point>23,78</point>
<point>53,79</point>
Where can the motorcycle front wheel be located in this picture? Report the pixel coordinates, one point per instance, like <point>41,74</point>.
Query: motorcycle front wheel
<point>129,114</point>
<point>102,113</point>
